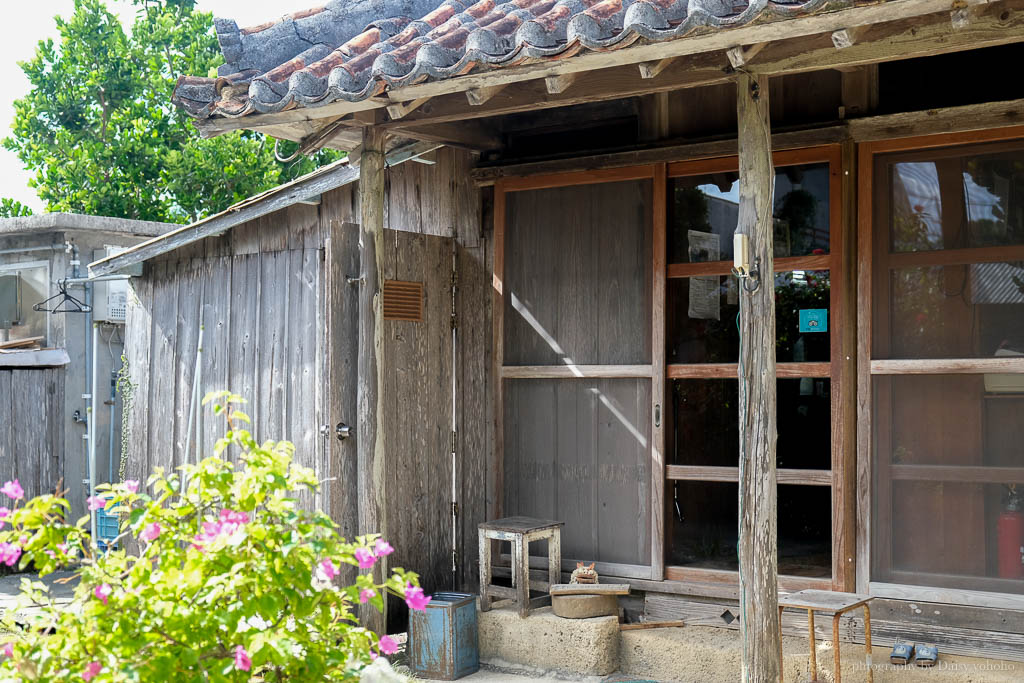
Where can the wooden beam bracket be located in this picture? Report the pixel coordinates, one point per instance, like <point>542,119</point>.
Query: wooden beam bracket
<point>652,69</point>
<point>847,37</point>
<point>740,56</point>
<point>556,85</point>
<point>479,96</point>
<point>398,111</point>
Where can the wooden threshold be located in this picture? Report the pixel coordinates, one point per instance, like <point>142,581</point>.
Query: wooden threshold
<point>950,596</point>
<point>730,370</point>
<point>732,474</point>
<point>575,371</point>
<point>725,577</point>
<point>947,366</point>
<point>781,265</point>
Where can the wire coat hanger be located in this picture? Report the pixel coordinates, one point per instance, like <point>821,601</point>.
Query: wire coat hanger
<point>67,304</point>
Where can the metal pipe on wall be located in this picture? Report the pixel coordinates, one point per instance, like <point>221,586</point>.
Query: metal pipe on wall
<point>92,431</point>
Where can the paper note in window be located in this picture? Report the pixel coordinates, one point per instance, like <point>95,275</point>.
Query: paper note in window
<point>705,298</point>
<point>703,246</point>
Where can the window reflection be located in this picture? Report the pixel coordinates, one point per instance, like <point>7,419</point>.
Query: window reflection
<point>958,202</point>
<point>704,210</point>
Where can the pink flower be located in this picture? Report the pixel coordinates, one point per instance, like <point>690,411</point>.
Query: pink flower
<point>132,485</point>
<point>92,669</point>
<point>8,650</point>
<point>150,532</point>
<point>242,661</point>
<point>63,547</point>
<point>13,490</point>
<point>415,598</point>
<point>387,645</point>
<point>382,548</point>
<point>5,513</point>
<point>103,591</point>
<point>365,558</point>
<point>330,571</point>
<point>9,553</point>
<point>232,517</point>
<point>96,503</point>
<point>366,594</point>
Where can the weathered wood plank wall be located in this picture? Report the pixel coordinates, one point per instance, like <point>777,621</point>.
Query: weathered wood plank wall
<point>261,321</point>
<point>278,318</point>
<point>32,428</point>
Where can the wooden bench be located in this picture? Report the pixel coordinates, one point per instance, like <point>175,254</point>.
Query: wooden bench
<point>520,532</point>
<point>836,604</point>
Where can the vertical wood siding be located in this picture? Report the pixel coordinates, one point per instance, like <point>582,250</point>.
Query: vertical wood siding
<point>32,428</point>
<point>279,328</point>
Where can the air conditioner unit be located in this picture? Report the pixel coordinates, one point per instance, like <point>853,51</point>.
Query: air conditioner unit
<point>109,297</point>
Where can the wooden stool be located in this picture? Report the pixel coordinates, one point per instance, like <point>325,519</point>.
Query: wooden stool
<point>836,603</point>
<point>520,531</point>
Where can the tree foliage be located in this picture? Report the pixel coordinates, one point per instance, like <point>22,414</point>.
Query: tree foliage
<point>100,132</point>
<point>12,208</point>
<point>233,581</point>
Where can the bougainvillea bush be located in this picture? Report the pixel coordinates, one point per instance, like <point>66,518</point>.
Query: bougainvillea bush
<point>230,579</point>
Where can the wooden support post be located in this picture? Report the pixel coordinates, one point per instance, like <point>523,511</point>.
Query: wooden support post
<point>758,551</point>
<point>369,440</point>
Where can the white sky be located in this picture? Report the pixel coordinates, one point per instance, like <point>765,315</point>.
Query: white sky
<point>30,22</point>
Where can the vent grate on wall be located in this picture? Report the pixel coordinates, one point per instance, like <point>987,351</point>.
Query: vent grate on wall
<point>403,300</point>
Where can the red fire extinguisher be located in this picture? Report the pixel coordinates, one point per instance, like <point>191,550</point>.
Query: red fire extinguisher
<point>1010,533</point>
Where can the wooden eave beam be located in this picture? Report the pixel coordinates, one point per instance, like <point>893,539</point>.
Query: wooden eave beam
<point>653,69</point>
<point>965,118</point>
<point>713,41</point>
<point>997,24</point>
<point>847,37</point>
<point>905,28</point>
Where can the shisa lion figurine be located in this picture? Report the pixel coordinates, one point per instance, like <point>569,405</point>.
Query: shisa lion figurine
<point>584,574</point>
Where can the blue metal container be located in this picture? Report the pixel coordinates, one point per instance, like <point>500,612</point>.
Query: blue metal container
<point>443,639</point>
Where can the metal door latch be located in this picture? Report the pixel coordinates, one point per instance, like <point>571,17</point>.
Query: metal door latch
<point>343,431</point>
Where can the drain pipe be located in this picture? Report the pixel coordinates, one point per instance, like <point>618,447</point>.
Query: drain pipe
<point>92,431</point>
<point>110,441</point>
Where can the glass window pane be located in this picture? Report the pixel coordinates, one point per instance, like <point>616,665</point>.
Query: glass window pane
<point>956,201</point>
<point>578,275</point>
<point>938,503</point>
<point>704,531</point>
<point>965,311</point>
<point>703,210</point>
<point>701,318</point>
<point>704,429</point>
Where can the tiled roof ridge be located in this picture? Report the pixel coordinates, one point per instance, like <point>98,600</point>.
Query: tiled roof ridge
<point>354,49</point>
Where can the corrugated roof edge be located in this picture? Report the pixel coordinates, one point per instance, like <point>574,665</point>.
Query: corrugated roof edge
<point>44,222</point>
<point>323,179</point>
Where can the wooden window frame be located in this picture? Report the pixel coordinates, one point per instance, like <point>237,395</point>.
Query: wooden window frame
<point>838,262</point>
<point>839,475</point>
<point>869,367</point>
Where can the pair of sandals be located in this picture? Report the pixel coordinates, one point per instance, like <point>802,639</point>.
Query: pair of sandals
<point>924,655</point>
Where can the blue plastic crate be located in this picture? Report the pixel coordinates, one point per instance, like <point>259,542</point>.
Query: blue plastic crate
<point>443,638</point>
<point>107,527</point>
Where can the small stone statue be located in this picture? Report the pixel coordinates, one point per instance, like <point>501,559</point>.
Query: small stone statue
<point>584,574</point>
